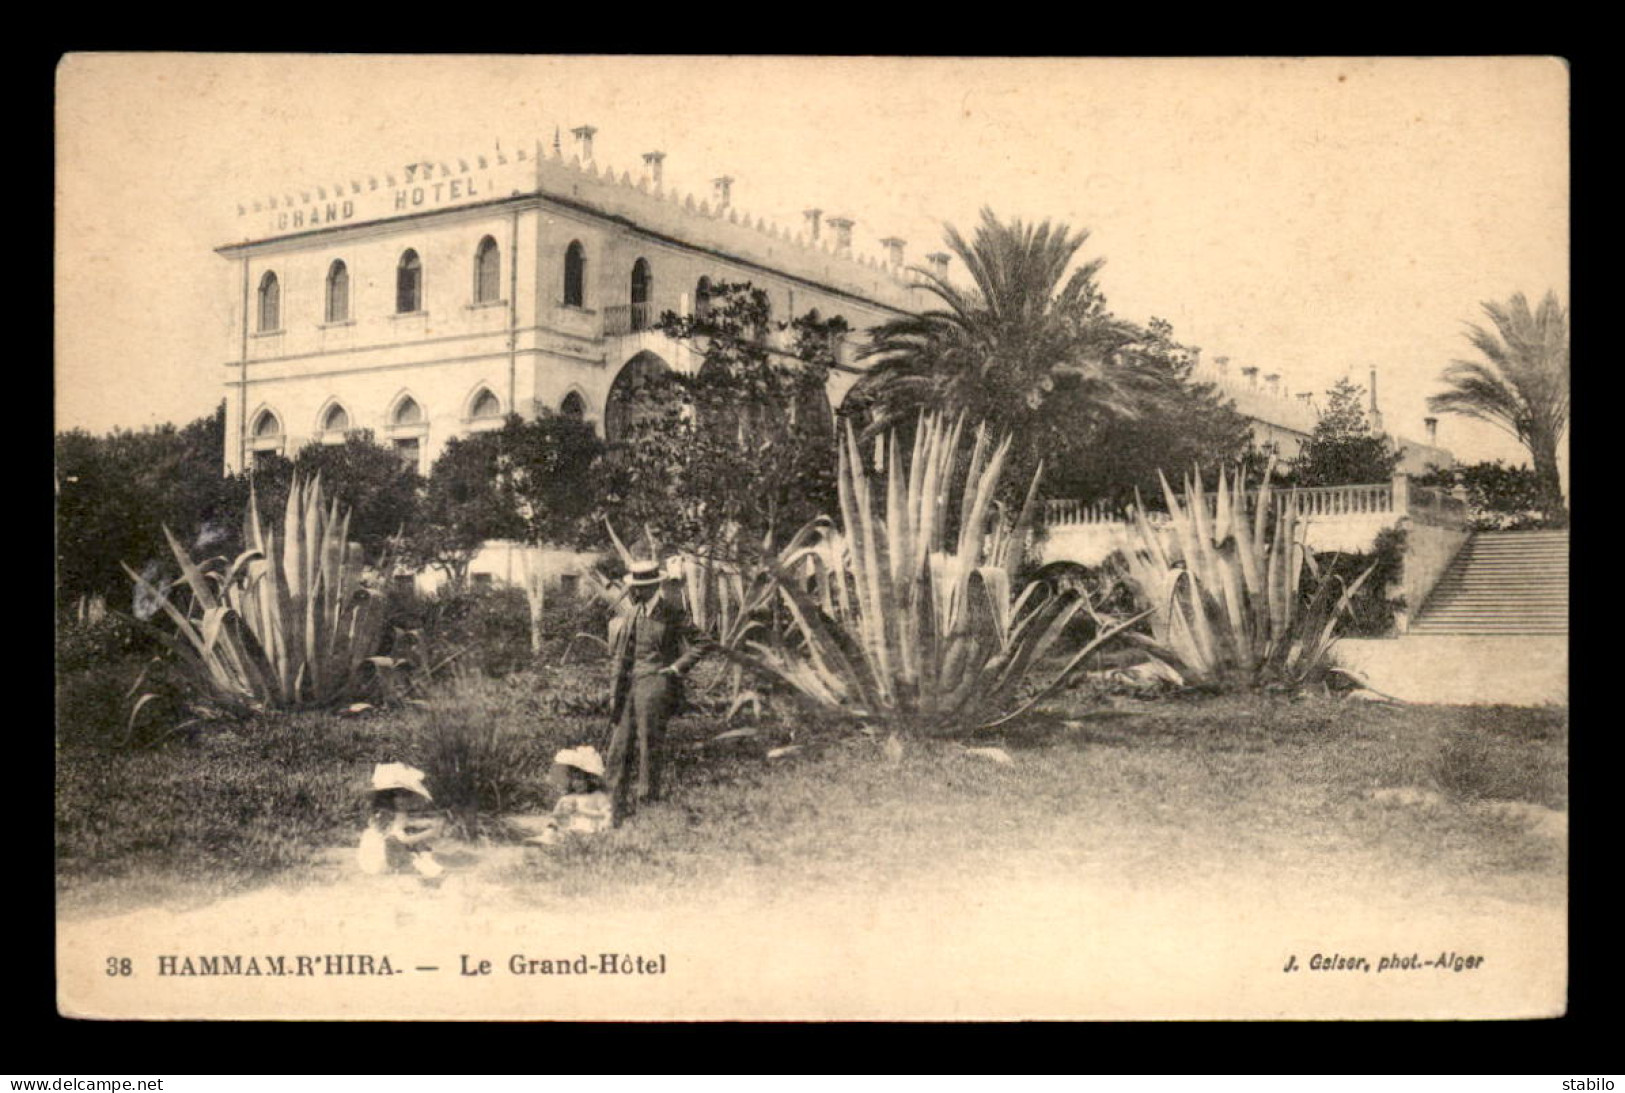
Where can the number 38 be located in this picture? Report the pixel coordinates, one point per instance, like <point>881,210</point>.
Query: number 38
<point>118,965</point>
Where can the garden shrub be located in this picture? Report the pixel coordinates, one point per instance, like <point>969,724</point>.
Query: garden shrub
<point>107,636</point>
<point>487,627</point>
<point>95,703</point>
<point>486,746</point>
<point>1371,609</point>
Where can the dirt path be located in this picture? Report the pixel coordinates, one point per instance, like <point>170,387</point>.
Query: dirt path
<point>1041,936</point>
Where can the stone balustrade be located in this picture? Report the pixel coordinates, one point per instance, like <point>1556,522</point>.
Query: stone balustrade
<point>1342,518</point>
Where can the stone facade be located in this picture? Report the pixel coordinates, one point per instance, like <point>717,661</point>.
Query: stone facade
<point>310,360</point>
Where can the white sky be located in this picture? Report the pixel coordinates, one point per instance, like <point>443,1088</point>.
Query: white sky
<point>1308,217</point>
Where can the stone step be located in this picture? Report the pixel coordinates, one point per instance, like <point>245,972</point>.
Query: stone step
<point>1491,631</point>
<point>1515,552</point>
<point>1479,580</point>
<point>1493,620</point>
<point>1499,602</point>
<point>1515,592</point>
<point>1459,595</point>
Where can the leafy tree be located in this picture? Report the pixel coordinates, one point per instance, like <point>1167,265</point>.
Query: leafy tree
<point>381,492</point>
<point>1499,497</point>
<point>530,480</point>
<point>1093,453</point>
<point>1523,389</point>
<point>740,452</point>
<point>463,506</point>
<point>548,476</point>
<point>1343,451</point>
<point>115,493</point>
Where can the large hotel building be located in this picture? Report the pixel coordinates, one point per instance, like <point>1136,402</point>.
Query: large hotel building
<point>434,298</point>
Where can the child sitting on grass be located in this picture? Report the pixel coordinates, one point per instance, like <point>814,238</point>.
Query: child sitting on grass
<point>585,808</point>
<point>397,837</point>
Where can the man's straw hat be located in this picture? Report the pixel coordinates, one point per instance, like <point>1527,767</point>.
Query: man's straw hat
<point>642,573</point>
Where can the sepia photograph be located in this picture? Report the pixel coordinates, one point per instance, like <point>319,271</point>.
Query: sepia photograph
<point>796,538</point>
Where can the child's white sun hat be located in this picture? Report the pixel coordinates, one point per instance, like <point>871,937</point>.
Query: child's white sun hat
<point>399,776</point>
<point>584,758</point>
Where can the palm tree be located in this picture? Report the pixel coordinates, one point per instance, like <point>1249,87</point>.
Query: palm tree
<point>1523,390</point>
<point>1025,330</point>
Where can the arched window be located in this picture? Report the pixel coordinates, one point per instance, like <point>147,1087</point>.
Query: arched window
<point>270,303</point>
<point>487,272</point>
<point>266,437</point>
<point>409,284</point>
<point>702,299</point>
<point>408,431</point>
<point>408,412</point>
<point>642,286</point>
<point>574,406</point>
<point>336,420</point>
<point>485,405</point>
<point>575,275</point>
<point>338,292</point>
<point>267,427</point>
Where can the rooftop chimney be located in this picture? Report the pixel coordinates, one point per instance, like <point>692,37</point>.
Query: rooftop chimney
<point>1273,382</point>
<point>722,188</point>
<point>939,264</point>
<point>812,216</point>
<point>1251,372</point>
<point>894,250</point>
<point>583,135</point>
<point>656,163</point>
<point>1222,364</point>
<point>843,234</point>
<point>1432,424</point>
<point>1375,414</point>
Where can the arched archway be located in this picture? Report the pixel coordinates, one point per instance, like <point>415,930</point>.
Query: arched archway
<point>631,399</point>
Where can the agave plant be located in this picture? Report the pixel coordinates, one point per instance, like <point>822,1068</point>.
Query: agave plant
<point>1224,586</point>
<point>291,622</point>
<point>906,619</point>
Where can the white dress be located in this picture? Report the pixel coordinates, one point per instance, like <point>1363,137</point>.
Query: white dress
<point>373,853</point>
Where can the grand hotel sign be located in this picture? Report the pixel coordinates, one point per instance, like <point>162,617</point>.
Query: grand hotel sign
<point>417,187</point>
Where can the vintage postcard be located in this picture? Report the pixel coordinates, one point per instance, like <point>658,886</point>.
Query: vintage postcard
<point>795,538</point>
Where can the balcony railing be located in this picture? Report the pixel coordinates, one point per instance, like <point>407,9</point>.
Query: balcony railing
<point>1342,500</point>
<point>628,319</point>
<point>1423,504</point>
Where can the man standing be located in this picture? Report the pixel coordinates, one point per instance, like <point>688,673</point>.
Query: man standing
<point>651,648</point>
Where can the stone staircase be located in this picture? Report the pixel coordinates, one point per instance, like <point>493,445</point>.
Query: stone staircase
<point>1503,583</point>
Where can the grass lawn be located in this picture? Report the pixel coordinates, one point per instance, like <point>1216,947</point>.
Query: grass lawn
<point>1441,800</point>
